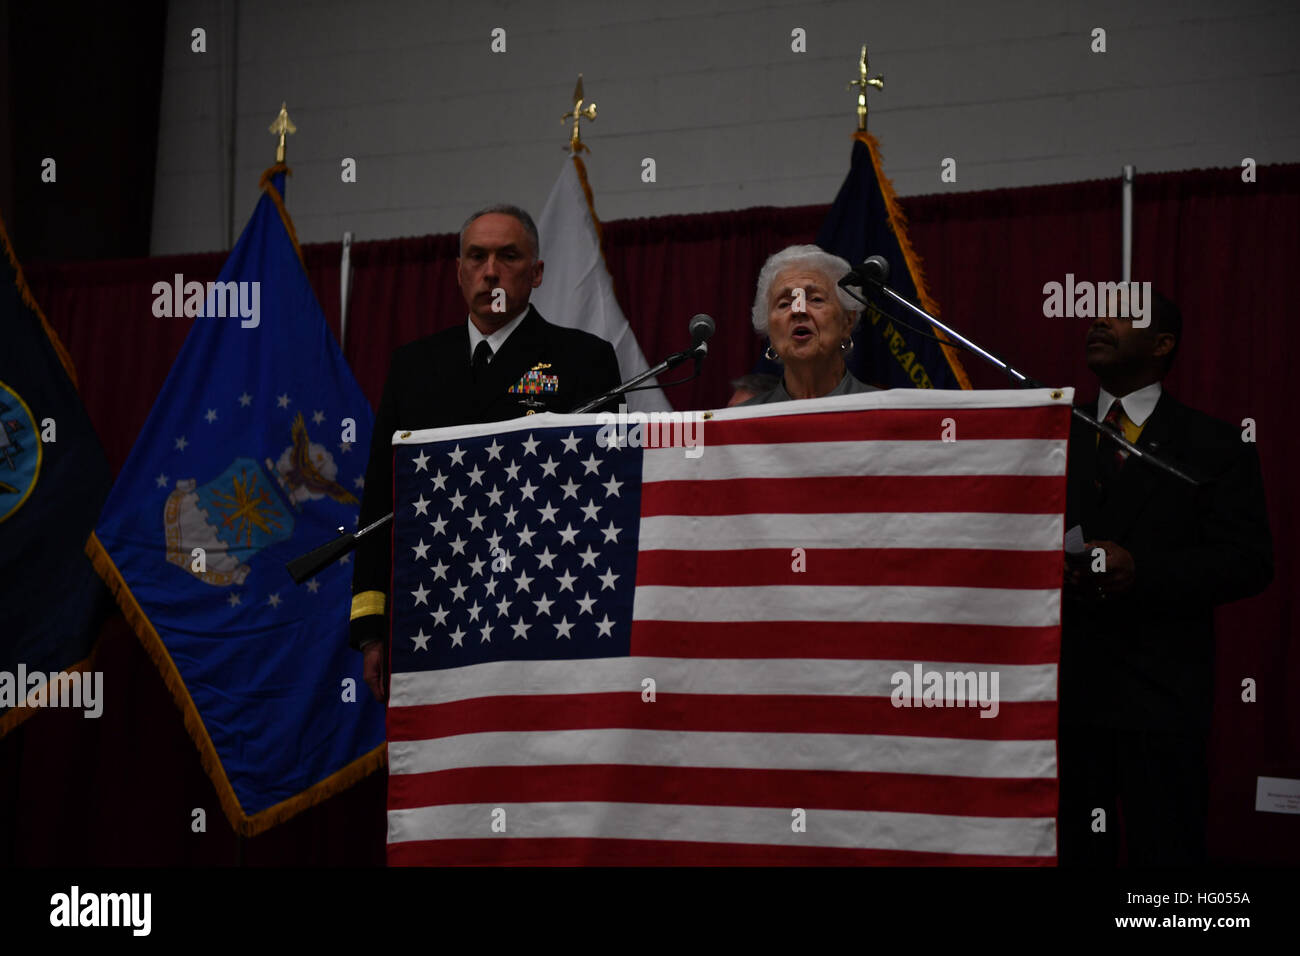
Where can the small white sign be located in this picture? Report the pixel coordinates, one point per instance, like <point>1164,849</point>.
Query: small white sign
<point>1277,795</point>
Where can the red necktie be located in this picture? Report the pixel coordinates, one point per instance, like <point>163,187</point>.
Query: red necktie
<point>1110,456</point>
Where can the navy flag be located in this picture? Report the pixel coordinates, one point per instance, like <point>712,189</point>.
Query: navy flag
<point>53,479</point>
<point>253,453</point>
<point>865,220</point>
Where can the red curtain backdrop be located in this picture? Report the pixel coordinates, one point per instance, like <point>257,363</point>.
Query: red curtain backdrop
<point>121,790</point>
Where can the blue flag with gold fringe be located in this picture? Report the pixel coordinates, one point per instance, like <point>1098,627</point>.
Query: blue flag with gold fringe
<point>865,220</point>
<point>254,452</point>
<point>53,479</point>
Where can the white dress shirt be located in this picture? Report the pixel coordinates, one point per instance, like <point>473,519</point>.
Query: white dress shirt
<point>497,338</point>
<point>1138,405</point>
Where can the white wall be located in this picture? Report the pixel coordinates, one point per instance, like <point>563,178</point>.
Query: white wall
<point>710,89</point>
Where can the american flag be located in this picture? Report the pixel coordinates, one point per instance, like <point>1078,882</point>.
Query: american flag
<point>627,655</point>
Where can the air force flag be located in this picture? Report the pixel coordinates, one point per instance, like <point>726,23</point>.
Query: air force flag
<point>253,453</point>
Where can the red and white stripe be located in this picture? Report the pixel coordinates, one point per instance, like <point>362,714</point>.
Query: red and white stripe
<point>772,687</point>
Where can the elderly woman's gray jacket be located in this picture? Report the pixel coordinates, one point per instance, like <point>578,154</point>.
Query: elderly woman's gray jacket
<point>848,386</point>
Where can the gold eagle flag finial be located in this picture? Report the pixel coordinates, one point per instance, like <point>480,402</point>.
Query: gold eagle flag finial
<point>282,126</point>
<point>578,114</point>
<point>862,82</point>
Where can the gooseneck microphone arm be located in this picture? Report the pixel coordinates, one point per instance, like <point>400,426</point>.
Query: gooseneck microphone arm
<point>701,329</point>
<point>313,562</point>
<point>875,271</point>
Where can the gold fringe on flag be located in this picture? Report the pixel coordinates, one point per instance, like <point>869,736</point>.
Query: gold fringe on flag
<point>18,715</point>
<point>898,222</point>
<point>107,569</point>
<point>581,167</point>
<point>29,300</point>
<point>268,187</point>
<point>157,651</point>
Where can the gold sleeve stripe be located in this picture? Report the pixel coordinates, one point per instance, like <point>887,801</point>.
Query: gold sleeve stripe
<point>367,603</point>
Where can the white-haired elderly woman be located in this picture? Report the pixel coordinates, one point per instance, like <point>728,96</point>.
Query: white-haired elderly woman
<point>808,321</point>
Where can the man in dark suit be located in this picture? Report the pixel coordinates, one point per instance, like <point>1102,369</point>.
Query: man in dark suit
<point>1137,654</point>
<point>472,372</point>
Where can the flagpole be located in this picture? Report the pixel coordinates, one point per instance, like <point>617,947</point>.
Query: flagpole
<point>345,287</point>
<point>1127,227</point>
<point>231,61</point>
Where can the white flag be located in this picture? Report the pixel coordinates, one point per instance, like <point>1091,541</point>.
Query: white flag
<point>576,290</point>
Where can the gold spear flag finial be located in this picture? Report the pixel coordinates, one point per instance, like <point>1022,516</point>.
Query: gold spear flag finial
<point>282,127</point>
<point>862,83</point>
<point>575,142</point>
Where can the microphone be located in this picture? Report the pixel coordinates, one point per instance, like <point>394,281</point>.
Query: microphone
<point>701,328</point>
<point>875,270</point>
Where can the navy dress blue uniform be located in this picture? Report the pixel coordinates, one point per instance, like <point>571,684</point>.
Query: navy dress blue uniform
<point>1136,678</point>
<point>431,383</point>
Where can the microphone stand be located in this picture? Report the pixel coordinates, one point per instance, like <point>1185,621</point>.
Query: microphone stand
<point>696,352</point>
<point>313,562</point>
<point>1024,380</point>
